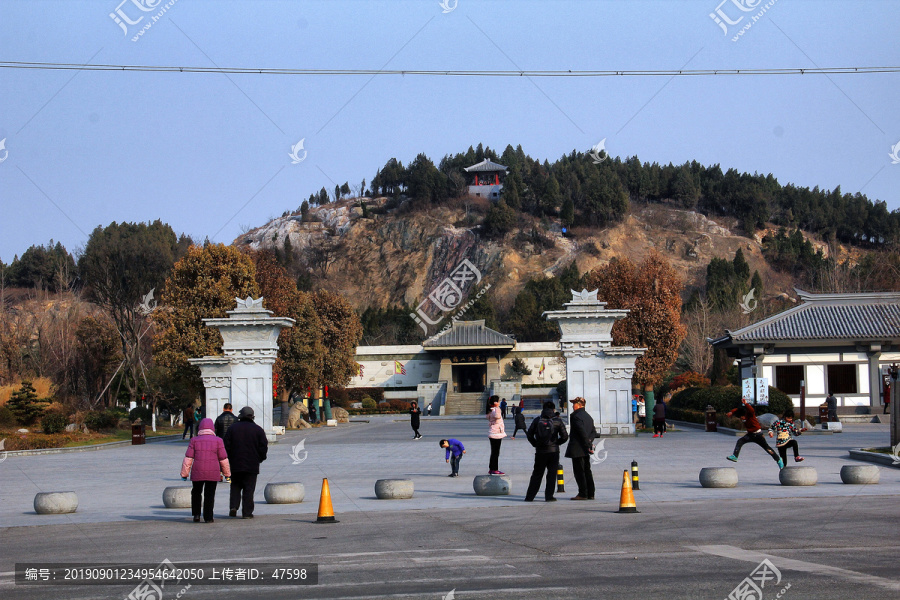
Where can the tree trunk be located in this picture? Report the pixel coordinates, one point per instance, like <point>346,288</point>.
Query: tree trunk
<point>649,403</point>
<point>283,398</point>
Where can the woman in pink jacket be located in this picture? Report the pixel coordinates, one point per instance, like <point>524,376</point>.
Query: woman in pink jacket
<point>204,460</point>
<point>496,433</point>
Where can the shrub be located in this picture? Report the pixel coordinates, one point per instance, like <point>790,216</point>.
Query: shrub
<point>519,367</point>
<point>54,422</point>
<point>140,412</point>
<point>7,418</point>
<point>120,411</point>
<point>369,403</point>
<point>401,405</point>
<point>97,420</point>
<point>689,379</point>
<point>357,394</point>
<point>726,398</point>
<point>339,397</point>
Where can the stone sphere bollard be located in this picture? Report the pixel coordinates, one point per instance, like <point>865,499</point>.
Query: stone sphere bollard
<point>394,489</point>
<point>860,474</point>
<point>284,493</point>
<point>798,476</point>
<point>55,503</point>
<point>718,477</point>
<point>492,485</point>
<point>177,497</point>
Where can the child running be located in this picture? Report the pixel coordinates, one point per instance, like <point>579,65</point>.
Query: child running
<point>455,451</point>
<point>786,430</point>
<point>754,432</point>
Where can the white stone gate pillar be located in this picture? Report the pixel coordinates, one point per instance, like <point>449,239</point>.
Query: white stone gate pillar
<point>250,335</point>
<point>595,369</point>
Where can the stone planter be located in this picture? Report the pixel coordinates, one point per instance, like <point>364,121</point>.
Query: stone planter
<point>492,485</point>
<point>718,477</point>
<point>284,493</point>
<point>177,497</point>
<point>798,476</point>
<point>394,489</point>
<point>55,503</point>
<point>860,474</point>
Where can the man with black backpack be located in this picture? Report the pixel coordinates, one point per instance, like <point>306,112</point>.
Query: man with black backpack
<point>546,433</point>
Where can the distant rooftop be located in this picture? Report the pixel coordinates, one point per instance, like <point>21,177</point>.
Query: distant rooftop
<point>485,165</point>
<point>852,317</point>
<point>467,334</point>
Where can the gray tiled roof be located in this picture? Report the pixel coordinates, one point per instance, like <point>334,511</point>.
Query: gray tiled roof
<point>469,333</point>
<point>485,165</point>
<point>830,316</point>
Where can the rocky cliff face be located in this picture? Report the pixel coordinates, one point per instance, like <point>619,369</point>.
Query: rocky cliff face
<point>400,257</point>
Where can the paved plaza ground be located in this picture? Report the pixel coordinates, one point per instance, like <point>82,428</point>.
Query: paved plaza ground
<point>828,541</point>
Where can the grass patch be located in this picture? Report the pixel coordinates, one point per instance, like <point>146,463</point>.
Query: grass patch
<point>37,440</point>
<point>889,451</point>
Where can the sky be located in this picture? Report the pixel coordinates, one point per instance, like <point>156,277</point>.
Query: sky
<point>209,153</point>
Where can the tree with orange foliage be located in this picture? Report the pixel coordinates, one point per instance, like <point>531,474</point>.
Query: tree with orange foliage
<point>203,284</point>
<point>341,333</point>
<point>301,352</point>
<point>652,292</point>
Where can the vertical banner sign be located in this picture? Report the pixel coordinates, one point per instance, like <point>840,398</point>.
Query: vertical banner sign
<point>761,385</point>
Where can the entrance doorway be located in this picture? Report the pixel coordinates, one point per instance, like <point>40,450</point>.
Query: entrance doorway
<point>470,378</point>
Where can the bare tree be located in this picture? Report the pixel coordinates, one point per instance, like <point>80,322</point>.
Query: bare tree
<point>321,254</point>
<point>696,352</point>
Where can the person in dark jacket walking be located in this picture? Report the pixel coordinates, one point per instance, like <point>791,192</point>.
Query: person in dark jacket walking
<point>659,419</point>
<point>246,444</point>
<point>225,420</point>
<point>520,423</point>
<point>545,433</point>
<point>188,417</point>
<point>204,460</point>
<point>580,449</point>
<point>414,413</point>
<point>831,403</point>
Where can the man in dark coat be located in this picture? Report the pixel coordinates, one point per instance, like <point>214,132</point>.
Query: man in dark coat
<point>246,445</point>
<point>580,449</point>
<point>188,417</point>
<point>225,420</point>
<point>545,433</point>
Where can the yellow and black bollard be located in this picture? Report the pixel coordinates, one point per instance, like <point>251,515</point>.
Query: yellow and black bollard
<point>560,480</point>
<point>635,484</point>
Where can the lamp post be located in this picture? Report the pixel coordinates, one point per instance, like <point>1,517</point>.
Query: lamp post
<point>895,414</point>
<point>802,401</point>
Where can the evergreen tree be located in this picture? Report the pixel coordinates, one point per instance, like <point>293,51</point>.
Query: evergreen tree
<point>25,405</point>
<point>567,215</point>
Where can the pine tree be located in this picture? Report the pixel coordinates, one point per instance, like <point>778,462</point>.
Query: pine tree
<point>25,405</point>
<point>567,215</point>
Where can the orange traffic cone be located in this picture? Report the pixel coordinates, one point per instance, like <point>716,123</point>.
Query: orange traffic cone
<point>326,512</point>
<point>626,502</point>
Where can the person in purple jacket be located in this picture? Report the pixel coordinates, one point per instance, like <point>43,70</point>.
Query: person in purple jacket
<point>455,451</point>
<point>204,460</point>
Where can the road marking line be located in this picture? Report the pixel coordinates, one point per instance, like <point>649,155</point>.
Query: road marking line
<point>791,564</point>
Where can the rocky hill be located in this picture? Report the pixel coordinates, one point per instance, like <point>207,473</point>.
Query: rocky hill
<point>393,256</point>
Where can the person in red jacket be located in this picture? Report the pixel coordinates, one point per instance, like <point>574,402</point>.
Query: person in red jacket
<point>754,432</point>
<point>204,460</point>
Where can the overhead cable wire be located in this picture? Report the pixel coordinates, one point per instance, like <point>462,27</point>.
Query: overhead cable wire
<point>451,72</point>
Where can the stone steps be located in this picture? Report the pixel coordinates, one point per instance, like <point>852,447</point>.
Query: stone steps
<point>464,404</point>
